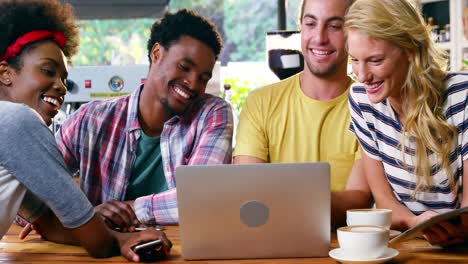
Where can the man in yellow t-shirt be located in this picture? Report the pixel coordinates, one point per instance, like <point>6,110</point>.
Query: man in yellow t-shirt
<point>306,117</point>
<point>279,123</point>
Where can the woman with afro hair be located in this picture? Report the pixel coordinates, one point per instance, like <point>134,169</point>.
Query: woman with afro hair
<point>37,39</point>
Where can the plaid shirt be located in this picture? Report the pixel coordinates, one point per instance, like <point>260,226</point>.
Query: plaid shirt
<point>100,140</point>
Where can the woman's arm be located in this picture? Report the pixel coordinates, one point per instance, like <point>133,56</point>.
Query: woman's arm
<point>448,233</point>
<point>444,234</point>
<point>402,217</point>
<point>464,201</point>
<point>464,217</point>
<point>98,240</point>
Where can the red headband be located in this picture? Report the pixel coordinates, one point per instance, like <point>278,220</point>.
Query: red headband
<point>14,49</point>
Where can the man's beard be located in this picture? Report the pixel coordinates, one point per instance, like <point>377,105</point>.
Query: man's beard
<point>169,109</point>
<point>323,73</point>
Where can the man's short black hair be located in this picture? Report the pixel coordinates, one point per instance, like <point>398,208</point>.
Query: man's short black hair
<point>184,23</point>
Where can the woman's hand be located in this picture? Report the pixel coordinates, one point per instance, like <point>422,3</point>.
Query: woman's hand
<point>445,233</point>
<point>26,230</point>
<point>464,227</point>
<point>421,218</point>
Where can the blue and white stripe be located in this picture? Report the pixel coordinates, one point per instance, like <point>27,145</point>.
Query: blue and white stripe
<point>380,134</point>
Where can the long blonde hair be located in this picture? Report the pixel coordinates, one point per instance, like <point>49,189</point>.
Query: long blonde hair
<point>423,93</point>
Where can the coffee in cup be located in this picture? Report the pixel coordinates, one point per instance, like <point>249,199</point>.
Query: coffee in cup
<point>376,217</point>
<point>363,242</point>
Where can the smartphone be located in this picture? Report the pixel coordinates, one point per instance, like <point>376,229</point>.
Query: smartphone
<point>136,229</point>
<point>150,251</point>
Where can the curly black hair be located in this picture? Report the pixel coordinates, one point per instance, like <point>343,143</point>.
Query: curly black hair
<point>184,22</point>
<point>18,17</point>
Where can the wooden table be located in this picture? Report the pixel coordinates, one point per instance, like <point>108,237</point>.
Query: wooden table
<point>36,251</point>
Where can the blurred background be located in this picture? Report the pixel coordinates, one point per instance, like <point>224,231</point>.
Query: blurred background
<point>114,33</point>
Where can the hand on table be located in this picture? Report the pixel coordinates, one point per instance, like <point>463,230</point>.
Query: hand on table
<point>464,226</point>
<point>26,230</point>
<point>133,239</point>
<point>118,214</point>
<point>445,233</point>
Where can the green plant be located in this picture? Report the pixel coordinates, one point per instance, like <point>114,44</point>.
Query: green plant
<point>101,40</point>
<point>240,89</point>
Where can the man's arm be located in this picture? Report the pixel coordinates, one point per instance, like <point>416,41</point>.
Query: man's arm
<point>252,144</point>
<point>119,214</point>
<point>214,144</point>
<point>67,140</point>
<point>214,147</point>
<point>115,213</point>
<point>356,195</point>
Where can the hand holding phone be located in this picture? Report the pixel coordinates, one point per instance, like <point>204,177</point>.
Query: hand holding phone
<point>151,251</point>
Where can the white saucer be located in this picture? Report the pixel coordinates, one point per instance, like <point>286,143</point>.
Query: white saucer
<point>394,233</point>
<point>338,255</point>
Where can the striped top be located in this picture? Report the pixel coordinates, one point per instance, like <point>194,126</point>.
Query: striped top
<point>379,132</point>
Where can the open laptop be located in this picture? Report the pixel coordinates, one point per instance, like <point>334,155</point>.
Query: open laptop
<point>264,210</point>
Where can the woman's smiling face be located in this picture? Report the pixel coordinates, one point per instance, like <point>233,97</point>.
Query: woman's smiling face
<point>40,81</point>
<point>378,64</point>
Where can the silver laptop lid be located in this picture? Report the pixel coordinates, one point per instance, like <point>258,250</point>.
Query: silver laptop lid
<point>254,211</point>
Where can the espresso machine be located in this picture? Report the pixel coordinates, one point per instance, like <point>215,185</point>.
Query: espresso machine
<point>284,52</point>
<point>88,83</point>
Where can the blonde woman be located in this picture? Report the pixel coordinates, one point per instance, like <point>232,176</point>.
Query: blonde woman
<point>410,116</point>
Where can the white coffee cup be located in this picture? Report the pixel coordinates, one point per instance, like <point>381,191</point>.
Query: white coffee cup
<point>363,242</point>
<point>376,217</point>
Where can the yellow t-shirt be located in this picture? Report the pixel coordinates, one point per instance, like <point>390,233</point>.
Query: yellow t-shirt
<point>279,123</point>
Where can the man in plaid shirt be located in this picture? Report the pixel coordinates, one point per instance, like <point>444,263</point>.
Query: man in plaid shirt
<point>126,149</point>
